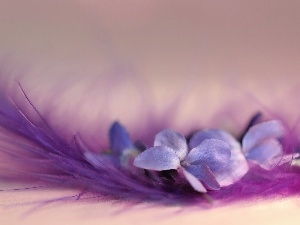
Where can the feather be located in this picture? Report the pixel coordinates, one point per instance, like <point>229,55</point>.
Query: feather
<point>32,150</point>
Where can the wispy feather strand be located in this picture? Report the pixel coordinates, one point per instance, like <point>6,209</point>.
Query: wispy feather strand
<point>31,150</point>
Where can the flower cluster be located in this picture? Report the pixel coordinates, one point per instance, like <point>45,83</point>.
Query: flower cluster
<point>211,159</point>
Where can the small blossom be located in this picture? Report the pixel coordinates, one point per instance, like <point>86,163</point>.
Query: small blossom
<point>203,166</point>
<point>237,167</point>
<point>261,145</point>
<point>121,145</point>
<point>123,151</point>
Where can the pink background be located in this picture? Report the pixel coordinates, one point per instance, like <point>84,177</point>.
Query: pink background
<point>211,51</point>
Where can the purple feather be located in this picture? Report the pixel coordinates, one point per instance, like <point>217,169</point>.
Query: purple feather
<point>31,150</point>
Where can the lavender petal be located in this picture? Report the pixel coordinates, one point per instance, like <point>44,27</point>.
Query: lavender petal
<point>174,140</point>
<point>194,182</point>
<point>260,132</point>
<point>237,166</point>
<point>200,136</point>
<point>211,152</point>
<point>203,173</point>
<point>266,154</point>
<point>157,158</point>
<point>235,169</point>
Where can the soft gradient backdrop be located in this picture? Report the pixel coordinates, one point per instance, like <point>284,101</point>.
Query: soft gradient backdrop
<point>101,60</point>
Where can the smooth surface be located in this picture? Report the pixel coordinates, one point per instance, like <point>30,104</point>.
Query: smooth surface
<point>274,212</point>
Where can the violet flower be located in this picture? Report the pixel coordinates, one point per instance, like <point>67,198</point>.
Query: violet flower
<point>121,144</point>
<point>261,145</point>
<point>237,166</point>
<point>203,166</point>
<point>123,151</point>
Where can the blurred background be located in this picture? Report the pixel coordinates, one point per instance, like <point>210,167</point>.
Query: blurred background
<point>122,59</point>
<point>86,63</point>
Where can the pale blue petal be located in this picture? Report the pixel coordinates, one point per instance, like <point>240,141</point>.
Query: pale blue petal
<point>200,136</point>
<point>119,138</point>
<point>236,168</point>
<point>205,175</point>
<point>194,182</point>
<point>174,140</point>
<point>260,132</point>
<point>211,152</point>
<point>265,153</point>
<point>157,158</point>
